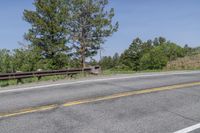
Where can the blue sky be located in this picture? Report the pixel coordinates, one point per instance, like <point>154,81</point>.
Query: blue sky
<point>177,20</point>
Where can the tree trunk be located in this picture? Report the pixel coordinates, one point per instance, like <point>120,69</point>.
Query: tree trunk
<point>82,55</point>
<point>82,60</point>
<point>82,42</point>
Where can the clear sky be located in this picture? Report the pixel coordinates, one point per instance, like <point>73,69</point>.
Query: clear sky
<point>177,20</point>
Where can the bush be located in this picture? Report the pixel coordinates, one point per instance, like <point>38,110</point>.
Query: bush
<point>155,59</point>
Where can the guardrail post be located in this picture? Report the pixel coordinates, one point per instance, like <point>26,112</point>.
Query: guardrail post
<point>19,80</point>
<point>83,72</point>
<point>39,78</point>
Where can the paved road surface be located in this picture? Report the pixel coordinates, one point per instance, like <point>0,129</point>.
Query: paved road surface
<point>147,103</point>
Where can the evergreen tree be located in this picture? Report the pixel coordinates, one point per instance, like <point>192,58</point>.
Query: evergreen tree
<point>131,56</point>
<point>90,24</point>
<point>116,59</point>
<point>106,62</point>
<point>5,61</point>
<point>48,30</point>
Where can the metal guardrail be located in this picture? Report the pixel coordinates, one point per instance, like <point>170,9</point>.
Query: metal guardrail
<point>39,74</point>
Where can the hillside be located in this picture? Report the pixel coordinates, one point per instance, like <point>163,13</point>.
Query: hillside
<point>187,63</point>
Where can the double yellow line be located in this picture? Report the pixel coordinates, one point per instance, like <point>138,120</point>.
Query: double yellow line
<point>96,99</point>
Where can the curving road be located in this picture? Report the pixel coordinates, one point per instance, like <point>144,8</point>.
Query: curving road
<point>141,103</point>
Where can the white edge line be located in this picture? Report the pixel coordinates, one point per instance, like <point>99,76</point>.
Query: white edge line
<point>189,129</point>
<point>95,80</point>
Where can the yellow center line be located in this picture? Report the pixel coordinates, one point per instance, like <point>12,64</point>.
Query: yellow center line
<point>130,93</point>
<point>27,111</point>
<point>96,99</point>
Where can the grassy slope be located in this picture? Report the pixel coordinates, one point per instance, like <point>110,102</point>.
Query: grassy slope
<point>186,63</point>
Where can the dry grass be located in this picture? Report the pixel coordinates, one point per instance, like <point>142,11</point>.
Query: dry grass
<point>186,63</point>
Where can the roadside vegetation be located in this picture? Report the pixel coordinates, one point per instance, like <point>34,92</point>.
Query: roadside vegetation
<point>152,55</point>
<point>186,63</point>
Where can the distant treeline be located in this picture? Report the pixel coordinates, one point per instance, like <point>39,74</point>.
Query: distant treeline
<point>148,55</point>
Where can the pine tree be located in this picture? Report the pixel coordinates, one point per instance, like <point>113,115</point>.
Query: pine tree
<point>90,24</point>
<point>131,56</point>
<point>48,30</point>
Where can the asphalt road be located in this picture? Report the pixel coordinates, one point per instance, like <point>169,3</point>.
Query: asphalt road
<point>147,103</point>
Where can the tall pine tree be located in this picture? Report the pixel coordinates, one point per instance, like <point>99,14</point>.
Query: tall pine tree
<point>48,30</point>
<point>91,22</point>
